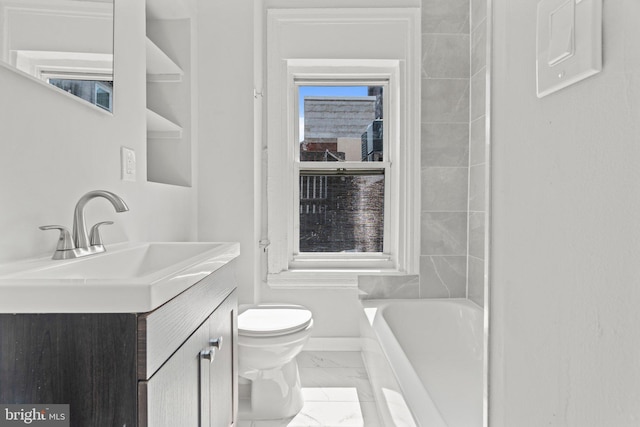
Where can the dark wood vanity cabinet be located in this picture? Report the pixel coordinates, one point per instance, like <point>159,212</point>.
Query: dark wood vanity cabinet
<point>196,385</point>
<point>174,366</point>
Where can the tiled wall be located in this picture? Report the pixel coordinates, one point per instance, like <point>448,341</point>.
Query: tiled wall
<point>445,147</point>
<point>452,158</point>
<point>477,156</point>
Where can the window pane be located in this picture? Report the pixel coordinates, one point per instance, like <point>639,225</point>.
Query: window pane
<point>97,92</point>
<point>103,98</point>
<point>341,213</point>
<point>341,123</point>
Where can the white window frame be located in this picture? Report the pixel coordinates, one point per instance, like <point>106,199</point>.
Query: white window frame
<point>287,267</point>
<point>306,260</point>
<point>401,69</point>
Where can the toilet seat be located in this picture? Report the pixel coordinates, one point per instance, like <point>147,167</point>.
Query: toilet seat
<point>273,320</point>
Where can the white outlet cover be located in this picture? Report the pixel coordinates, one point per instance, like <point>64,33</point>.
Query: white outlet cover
<point>127,164</point>
<point>569,43</point>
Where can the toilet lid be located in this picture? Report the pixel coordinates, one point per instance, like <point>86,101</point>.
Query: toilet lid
<point>273,320</point>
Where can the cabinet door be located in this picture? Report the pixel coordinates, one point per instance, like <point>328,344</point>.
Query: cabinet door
<point>173,395</point>
<point>223,382</point>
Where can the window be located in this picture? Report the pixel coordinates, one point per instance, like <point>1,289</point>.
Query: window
<point>341,169</point>
<point>342,146</point>
<point>340,206</point>
<point>97,92</point>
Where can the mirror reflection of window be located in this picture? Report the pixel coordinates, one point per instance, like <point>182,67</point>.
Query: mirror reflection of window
<point>98,93</point>
<point>103,94</point>
<point>66,43</point>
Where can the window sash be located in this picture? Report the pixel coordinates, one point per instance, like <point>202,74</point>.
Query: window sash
<point>341,171</point>
<point>336,167</point>
<point>305,260</point>
<point>299,258</point>
<point>336,172</point>
<point>341,81</point>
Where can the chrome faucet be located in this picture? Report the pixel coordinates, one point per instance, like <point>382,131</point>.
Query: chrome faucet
<point>83,243</point>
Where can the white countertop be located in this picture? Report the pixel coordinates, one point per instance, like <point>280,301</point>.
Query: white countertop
<point>128,278</point>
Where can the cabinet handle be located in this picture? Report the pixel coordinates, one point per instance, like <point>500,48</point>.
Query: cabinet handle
<point>216,342</point>
<point>208,353</point>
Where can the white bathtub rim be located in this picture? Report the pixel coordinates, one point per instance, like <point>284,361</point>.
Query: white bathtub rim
<point>392,406</point>
<point>417,397</point>
<point>423,409</point>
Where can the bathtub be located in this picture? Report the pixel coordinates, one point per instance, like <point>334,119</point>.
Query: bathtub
<point>424,359</point>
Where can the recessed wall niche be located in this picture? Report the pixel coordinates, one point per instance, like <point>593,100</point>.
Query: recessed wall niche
<point>169,139</point>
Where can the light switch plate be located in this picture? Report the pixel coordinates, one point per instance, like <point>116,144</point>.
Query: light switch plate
<point>569,43</point>
<point>128,164</point>
<point>561,32</point>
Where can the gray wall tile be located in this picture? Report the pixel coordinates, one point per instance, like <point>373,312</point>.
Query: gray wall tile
<point>477,154</point>
<point>476,281</point>
<point>478,48</point>
<point>444,189</point>
<point>478,13</point>
<point>445,16</point>
<point>476,188</point>
<point>384,287</point>
<point>443,276</point>
<point>476,234</point>
<point>445,144</point>
<point>453,136</point>
<point>477,108</point>
<point>445,101</point>
<point>444,233</point>
<point>445,55</point>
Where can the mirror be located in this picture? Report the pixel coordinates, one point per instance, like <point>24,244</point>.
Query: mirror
<point>65,43</point>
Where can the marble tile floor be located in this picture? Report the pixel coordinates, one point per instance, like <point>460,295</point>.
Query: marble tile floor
<point>336,391</point>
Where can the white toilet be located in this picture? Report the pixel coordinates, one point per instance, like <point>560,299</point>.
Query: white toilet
<point>270,336</point>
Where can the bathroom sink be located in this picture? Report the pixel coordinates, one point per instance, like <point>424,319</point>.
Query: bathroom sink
<point>123,263</point>
<point>129,277</point>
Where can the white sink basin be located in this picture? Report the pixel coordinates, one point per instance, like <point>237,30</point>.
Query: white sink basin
<point>130,277</point>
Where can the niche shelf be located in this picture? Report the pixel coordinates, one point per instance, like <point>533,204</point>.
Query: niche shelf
<point>159,127</point>
<point>168,72</point>
<point>161,68</point>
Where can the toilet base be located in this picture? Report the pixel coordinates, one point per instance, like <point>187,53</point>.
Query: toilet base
<point>276,393</point>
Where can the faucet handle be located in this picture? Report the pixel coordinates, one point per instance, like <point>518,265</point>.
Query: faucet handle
<point>65,242</point>
<point>94,235</point>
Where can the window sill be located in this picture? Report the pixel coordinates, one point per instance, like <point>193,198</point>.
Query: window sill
<point>341,262</point>
<point>324,278</point>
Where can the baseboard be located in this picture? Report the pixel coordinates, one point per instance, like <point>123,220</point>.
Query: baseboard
<point>333,344</point>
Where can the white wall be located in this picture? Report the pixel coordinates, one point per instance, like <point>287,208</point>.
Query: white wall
<point>54,148</point>
<point>565,337</point>
<point>61,28</point>
<point>226,201</point>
